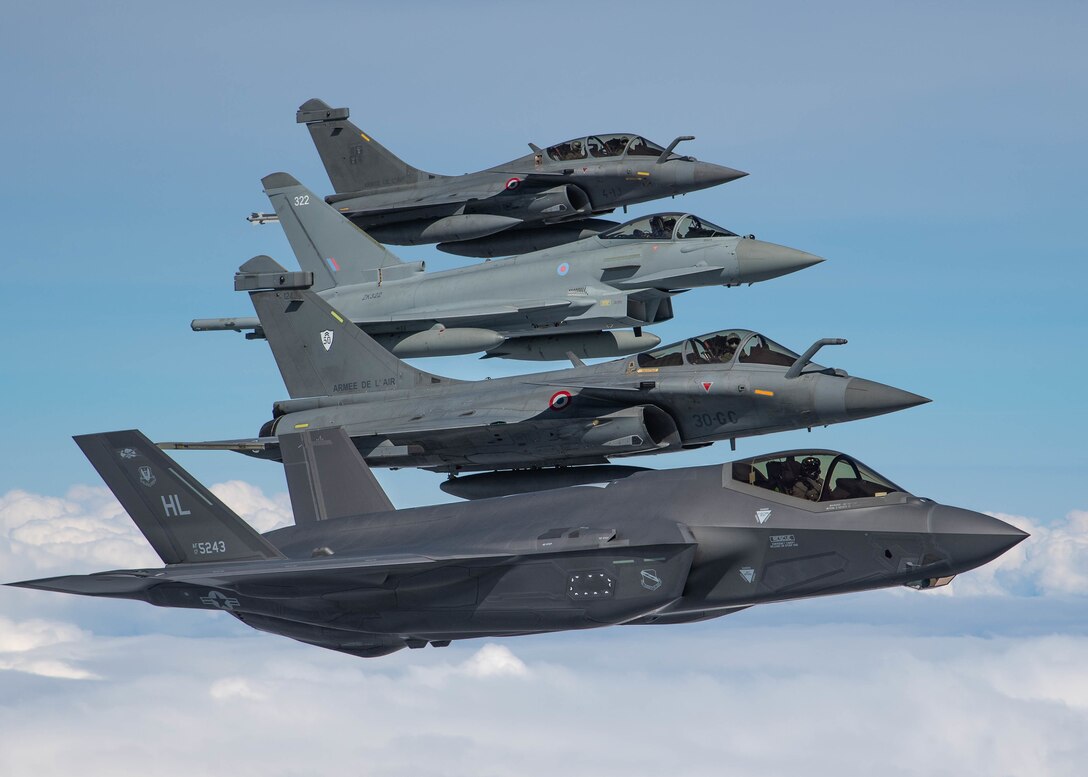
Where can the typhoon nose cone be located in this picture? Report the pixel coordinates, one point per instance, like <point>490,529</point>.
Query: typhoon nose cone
<point>759,261</point>
<point>972,539</point>
<point>865,398</point>
<point>706,174</point>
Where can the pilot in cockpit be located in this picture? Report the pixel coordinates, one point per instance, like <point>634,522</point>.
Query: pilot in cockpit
<point>721,348</point>
<point>661,227</point>
<point>810,480</point>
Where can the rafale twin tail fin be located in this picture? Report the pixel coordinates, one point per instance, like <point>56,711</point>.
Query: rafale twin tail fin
<point>354,161</point>
<point>328,478</point>
<point>324,241</point>
<point>319,351</point>
<point>184,522</point>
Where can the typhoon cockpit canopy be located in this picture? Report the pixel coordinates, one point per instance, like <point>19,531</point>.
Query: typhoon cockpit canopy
<point>721,347</point>
<point>666,226</point>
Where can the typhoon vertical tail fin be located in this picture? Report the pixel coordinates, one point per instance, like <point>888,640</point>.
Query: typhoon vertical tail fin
<point>324,241</point>
<point>319,351</point>
<point>183,521</point>
<point>354,161</point>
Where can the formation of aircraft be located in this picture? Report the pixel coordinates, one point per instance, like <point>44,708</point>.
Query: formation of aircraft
<point>553,534</point>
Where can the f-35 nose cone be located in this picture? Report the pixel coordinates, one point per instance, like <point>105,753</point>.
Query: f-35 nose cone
<point>865,398</point>
<point>759,261</point>
<point>972,539</point>
<point>706,174</point>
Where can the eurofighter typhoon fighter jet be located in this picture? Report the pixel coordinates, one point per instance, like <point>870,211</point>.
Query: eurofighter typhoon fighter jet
<point>584,297</point>
<point>356,575</point>
<point>543,199</point>
<point>724,385</point>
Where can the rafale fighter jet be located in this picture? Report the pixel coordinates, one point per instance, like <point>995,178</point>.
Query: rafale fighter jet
<point>356,575</point>
<point>725,385</point>
<point>582,297</point>
<point>543,199</point>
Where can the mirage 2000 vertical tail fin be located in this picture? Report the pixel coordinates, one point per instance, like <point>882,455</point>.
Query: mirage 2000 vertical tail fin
<point>336,251</point>
<point>319,351</point>
<point>354,161</point>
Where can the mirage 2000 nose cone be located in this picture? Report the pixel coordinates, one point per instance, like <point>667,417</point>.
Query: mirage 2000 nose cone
<point>865,398</point>
<point>759,261</point>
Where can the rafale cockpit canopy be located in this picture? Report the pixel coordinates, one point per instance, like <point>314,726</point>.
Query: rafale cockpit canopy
<point>721,347</point>
<point>600,146</point>
<point>814,475</point>
<point>666,226</point>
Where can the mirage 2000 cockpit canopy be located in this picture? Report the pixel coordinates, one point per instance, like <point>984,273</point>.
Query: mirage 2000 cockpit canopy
<point>722,347</point>
<point>601,146</point>
<point>666,226</point>
<point>815,475</point>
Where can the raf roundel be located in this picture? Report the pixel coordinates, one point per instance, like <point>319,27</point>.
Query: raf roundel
<point>563,268</point>
<point>559,400</point>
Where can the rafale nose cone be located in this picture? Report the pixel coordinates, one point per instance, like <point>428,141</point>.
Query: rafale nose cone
<point>759,261</point>
<point>707,174</point>
<point>972,539</point>
<point>866,398</point>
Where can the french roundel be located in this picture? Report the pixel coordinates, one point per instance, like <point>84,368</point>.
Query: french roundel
<point>513,183</point>
<point>559,400</point>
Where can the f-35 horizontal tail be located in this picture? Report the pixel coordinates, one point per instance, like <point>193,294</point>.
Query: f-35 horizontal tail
<point>325,243</point>
<point>319,351</point>
<point>354,160</point>
<point>184,521</point>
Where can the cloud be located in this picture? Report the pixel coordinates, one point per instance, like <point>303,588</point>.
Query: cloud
<point>28,646</point>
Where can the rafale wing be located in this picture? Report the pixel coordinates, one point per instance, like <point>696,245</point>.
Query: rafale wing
<point>458,312</point>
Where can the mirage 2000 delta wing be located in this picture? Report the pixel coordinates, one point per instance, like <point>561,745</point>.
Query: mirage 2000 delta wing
<point>543,199</point>
<point>678,546</point>
<point>591,297</point>
<point>724,385</point>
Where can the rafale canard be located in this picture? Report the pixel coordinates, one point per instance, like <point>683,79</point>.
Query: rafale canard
<point>591,297</point>
<point>724,385</point>
<point>543,199</point>
<point>677,546</point>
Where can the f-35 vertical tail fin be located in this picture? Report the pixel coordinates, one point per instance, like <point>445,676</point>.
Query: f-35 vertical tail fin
<point>324,241</point>
<point>328,478</point>
<point>354,161</point>
<point>184,522</point>
<point>319,351</point>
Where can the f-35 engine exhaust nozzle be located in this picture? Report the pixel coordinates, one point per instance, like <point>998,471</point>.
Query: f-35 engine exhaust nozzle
<point>587,345</point>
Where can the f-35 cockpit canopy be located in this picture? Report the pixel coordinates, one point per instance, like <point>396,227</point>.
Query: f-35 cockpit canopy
<point>666,226</point>
<point>600,146</point>
<point>815,475</point>
<point>722,347</point>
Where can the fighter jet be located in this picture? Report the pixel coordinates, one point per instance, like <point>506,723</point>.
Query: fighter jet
<point>543,199</point>
<point>358,576</point>
<point>583,297</point>
<point>725,385</point>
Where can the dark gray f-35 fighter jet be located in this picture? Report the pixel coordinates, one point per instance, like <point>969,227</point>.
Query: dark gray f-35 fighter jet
<point>543,199</point>
<point>355,575</point>
<point>724,385</point>
<point>583,297</point>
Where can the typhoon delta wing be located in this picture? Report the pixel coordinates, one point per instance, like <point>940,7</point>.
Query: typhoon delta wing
<point>591,297</point>
<point>721,386</point>
<point>676,546</point>
<point>543,199</point>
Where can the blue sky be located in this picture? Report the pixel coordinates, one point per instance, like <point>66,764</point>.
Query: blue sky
<point>934,154</point>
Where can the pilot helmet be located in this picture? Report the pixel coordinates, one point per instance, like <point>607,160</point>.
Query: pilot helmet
<point>810,467</point>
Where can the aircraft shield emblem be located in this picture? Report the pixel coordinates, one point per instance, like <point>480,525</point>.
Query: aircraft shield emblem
<point>326,339</point>
<point>147,477</point>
